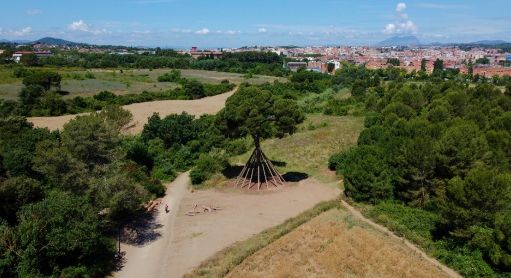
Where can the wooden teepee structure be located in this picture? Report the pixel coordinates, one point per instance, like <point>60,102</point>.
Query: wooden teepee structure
<point>259,171</point>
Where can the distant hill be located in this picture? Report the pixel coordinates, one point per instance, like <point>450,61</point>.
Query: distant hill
<point>56,41</point>
<point>490,42</point>
<point>400,41</point>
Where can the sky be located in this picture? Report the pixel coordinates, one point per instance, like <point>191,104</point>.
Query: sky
<point>236,23</point>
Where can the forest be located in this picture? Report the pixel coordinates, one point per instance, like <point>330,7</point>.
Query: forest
<point>437,157</point>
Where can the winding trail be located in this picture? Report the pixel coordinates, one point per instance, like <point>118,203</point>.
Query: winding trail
<point>142,111</point>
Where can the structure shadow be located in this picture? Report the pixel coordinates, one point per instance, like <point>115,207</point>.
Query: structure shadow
<point>278,163</point>
<point>232,171</point>
<point>295,176</point>
<point>142,230</point>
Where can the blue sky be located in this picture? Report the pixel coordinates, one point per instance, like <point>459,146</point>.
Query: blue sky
<point>230,23</point>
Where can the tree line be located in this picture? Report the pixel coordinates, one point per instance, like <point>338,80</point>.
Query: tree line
<point>443,148</point>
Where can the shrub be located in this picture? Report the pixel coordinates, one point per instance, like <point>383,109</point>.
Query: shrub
<point>207,165</point>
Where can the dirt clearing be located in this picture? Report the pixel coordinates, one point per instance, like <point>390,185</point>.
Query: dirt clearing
<point>186,241</point>
<point>142,111</point>
<point>336,244</point>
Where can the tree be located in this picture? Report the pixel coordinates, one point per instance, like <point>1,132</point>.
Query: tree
<point>393,61</point>
<point>330,67</point>
<point>30,60</point>
<point>45,79</point>
<point>90,139</point>
<point>59,167</point>
<point>483,61</point>
<point>59,233</point>
<point>259,114</point>
<point>16,192</point>
<point>194,89</point>
<point>29,95</point>
<point>423,64</point>
<point>366,175</point>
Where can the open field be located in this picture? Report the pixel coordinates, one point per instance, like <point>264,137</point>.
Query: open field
<point>182,242</point>
<point>308,150</point>
<point>142,111</point>
<point>336,244</point>
<point>125,82</point>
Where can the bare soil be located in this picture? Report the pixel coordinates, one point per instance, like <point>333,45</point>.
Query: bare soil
<point>142,111</point>
<point>183,241</point>
<point>337,244</point>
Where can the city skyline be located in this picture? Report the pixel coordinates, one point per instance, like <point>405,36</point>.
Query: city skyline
<point>179,23</point>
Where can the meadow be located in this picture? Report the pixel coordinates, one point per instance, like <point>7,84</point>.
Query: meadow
<point>79,82</point>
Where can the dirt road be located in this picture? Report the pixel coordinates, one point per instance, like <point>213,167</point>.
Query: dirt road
<point>186,241</point>
<point>141,111</point>
<point>146,260</point>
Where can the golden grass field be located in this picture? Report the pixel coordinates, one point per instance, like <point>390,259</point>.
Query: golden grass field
<point>334,244</point>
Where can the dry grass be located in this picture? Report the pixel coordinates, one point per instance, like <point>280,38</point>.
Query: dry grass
<point>125,82</point>
<point>223,262</point>
<point>308,150</point>
<point>334,244</point>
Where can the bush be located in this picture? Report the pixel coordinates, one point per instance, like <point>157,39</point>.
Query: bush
<point>105,96</point>
<point>172,76</point>
<point>207,165</point>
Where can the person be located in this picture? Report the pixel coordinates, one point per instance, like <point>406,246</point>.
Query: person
<point>166,208</point>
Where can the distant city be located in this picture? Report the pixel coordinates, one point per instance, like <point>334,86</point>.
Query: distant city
<point>485,58</point>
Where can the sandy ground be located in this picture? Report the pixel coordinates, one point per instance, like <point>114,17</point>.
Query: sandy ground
<point>185,241</point>
<point>142,111</point>
<point>337,244</point>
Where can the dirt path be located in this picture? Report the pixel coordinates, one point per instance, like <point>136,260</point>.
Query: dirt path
<point>141,111</point>
<point>145,261</point>
<point>186,241</point>
<point>409,244</point>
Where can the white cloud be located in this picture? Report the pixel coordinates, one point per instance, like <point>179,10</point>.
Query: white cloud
<point>34,12</point>
<point>81,26</point>
<point>401,7</point>
<point>231,32</point>
<point>203,31</point>
<point>262,30</point>
<point>390,28</point>
<point>19,33</point>
<point>179,30</point>
<point>403,24</point>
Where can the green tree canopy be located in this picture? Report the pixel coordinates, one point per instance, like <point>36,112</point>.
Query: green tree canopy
<point>260,114</point>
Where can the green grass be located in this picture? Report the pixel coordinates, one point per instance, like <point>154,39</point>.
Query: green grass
<point>418,226</point>
<point>308,150</point>
<point>224,261</point>
<point>126,82</point>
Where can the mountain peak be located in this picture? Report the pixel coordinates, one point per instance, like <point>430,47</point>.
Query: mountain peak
<point>408,40</point>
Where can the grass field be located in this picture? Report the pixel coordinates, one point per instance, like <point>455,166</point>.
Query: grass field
<point>226,260</point>
<point>326,241</point>
<point>308,150</point>
<point>125,82</point>
<point>335,244</point>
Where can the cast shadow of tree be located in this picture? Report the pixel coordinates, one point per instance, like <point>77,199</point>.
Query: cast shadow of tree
<point>142,230</point>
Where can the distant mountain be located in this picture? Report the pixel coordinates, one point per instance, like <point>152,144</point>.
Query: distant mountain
<point>490,42</point>
<point>56,41</point>
<point>400,41</point>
